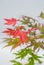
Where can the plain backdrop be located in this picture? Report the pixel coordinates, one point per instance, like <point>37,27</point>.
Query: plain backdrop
<point>16,8</point>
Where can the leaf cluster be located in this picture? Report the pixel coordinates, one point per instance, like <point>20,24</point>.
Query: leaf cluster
<point>30,38</point>
<point>31,60</point>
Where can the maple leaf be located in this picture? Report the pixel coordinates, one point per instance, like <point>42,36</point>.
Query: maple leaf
<point>14,42</point>
<point>23,53</point>
<point>15,33</point>
<point>11,21</point>
<point>22,34</point>
<point>9,31</point>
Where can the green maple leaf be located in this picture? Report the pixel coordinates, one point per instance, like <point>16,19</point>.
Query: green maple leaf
<point>22,54</point>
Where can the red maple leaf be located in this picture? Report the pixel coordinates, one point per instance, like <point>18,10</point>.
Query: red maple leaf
<point>11,21</point>
<point>15,33</point>
<point>22,34</point>
<point>9,31</point>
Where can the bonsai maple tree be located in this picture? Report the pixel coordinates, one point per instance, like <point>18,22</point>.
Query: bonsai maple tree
<point>25,33</point>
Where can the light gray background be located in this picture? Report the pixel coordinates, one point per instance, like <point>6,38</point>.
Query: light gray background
<point>16,8</point>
